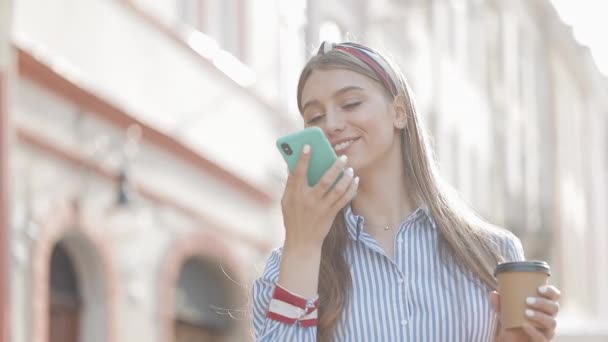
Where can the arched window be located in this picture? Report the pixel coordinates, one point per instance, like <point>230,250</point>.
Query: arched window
<point>205,299</point>
<point>65,298</point>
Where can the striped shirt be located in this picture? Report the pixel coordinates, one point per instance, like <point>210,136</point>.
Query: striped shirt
<point>417,296</point>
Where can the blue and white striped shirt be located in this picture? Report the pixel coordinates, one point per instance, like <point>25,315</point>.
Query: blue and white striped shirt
<point>418,296</point>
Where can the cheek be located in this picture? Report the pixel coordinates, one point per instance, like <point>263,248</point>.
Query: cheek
<point>376,140</point>
<point>367,120</point>
<point>375,117</point>
<point>375,124</point>
<point>378,129</point>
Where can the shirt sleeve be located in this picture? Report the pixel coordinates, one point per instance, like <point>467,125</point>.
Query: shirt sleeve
<point>511,248</point>
<point>267,329</point>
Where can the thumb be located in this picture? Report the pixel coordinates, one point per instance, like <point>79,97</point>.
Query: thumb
<point>495,301</point>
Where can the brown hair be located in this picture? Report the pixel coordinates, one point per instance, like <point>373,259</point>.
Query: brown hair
<point>462,234</point>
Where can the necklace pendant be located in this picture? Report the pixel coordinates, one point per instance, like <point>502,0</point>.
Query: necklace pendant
<point>387,228</point>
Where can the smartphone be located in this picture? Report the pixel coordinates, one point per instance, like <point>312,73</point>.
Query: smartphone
<point>322,158</point>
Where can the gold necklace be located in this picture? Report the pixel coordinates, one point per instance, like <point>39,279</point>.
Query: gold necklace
<point>385,227</point>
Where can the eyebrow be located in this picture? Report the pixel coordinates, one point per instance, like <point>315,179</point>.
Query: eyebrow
<point>338,92</point>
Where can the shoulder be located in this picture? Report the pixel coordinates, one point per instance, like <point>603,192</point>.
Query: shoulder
<point>507,243</point>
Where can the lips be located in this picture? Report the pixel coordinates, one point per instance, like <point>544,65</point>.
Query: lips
<point>343,145</point>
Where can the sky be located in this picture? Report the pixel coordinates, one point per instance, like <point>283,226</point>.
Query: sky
<point>590,26</point>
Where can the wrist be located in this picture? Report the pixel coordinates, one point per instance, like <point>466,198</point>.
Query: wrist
<point>301,249</point>
<point>299,270</point>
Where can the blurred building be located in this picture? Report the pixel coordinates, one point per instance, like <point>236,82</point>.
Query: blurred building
<point>144,181</point>
<point>141,158</point>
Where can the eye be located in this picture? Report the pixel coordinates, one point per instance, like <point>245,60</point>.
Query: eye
<point>351,106</point>
<point>314,120</point>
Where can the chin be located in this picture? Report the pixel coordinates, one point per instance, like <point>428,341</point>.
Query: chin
<point>352,162</point>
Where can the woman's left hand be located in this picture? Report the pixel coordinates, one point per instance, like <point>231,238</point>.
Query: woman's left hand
<point>541,313</point>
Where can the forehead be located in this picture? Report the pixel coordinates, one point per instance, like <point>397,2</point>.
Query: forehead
<point>323,83</point>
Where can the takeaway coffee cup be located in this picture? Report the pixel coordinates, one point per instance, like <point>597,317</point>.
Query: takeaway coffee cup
<point>516,282</point>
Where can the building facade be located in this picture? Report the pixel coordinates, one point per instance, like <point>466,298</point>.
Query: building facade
<point>142,178</point>
<point>138,158</point>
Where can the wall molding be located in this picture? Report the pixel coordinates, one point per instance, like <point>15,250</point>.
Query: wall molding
<point>34,140</point>
<point>37,71</point>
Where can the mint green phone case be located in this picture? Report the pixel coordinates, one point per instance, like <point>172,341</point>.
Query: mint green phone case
<point>322,158</point>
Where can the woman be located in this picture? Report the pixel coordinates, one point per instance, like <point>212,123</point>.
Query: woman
<point>403,260</point>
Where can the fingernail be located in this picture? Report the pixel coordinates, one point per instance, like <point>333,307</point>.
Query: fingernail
<point>343,158</point>
<point>350,171</point>
<point>356,180</point>
<point>543,289</point>
<point>529,313</point>
<point>530,300</point>
<point>306,149</point>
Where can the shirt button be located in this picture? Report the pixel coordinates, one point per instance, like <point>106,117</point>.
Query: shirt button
<point>400,240</point>
<point>400,281</point>
<point>404,322</point>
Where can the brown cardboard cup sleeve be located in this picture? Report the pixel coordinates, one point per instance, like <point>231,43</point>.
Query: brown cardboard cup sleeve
<point>517,281</point>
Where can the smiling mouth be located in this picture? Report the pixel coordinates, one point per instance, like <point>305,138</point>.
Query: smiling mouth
<point>343,145</point>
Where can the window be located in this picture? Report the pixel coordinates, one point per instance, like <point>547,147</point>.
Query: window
<point>191,13</point>
<point>494,45</point>
<point>451,34</point>
<point>330,31</point>
<point>523,62</point>
<point>223,20</point>
<point>205,296</point>
<point>292,50</point>
<point>64,298</point>
<point>476,46</point>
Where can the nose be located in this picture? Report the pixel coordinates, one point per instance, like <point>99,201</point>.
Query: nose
<point>334,122</point>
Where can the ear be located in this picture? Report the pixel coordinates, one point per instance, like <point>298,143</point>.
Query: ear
<point>400,120</point>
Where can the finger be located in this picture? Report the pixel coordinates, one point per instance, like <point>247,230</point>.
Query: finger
<point>542,321</point>
<point>546,306</point>
<point>339,188</point>
<point>350,193</point>
<point>495,301</point>
<point>330,176</point>
<point>302,166</point>
<point>535,334</point>
<point>550,292</point>
<point>287,180</point>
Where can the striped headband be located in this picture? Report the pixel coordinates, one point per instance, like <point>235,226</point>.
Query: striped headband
<point>368,56</point>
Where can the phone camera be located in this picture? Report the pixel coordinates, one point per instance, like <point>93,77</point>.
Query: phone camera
<point>286,149</point>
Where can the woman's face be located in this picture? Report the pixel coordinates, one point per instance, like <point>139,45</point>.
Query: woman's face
<point>354,112</point>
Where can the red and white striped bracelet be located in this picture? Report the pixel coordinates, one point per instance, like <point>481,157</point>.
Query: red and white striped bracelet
<point>289,308</point>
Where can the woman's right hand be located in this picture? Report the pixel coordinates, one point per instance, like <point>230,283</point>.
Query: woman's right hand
<point>308,212</point>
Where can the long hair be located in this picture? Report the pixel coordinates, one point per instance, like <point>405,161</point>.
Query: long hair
<point>463,236</point>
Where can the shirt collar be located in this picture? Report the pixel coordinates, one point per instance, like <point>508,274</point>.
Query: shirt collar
<point>354,222</point>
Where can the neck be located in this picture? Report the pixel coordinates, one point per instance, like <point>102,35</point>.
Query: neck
<point>383,197</point>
